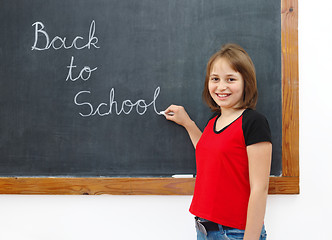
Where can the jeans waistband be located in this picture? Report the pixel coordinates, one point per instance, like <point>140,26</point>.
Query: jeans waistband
<point>205,225</point>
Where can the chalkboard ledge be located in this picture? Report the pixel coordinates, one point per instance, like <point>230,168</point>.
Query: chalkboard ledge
<point>122,186</point>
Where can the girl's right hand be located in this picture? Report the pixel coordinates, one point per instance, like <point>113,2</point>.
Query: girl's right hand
<point>181,117</point>
<point>178,115</point>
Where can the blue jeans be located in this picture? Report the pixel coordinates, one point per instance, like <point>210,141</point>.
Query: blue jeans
<point>225,234</point>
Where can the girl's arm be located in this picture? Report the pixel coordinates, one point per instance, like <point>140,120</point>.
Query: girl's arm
<point>181,117</point>
<point>259,156</point>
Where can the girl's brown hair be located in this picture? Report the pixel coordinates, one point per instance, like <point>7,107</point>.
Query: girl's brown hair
<point>240,61</point>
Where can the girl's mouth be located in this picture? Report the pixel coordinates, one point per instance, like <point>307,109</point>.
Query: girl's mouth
<point>223,95</point>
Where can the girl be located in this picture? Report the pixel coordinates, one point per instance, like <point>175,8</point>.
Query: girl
<point>233,154</point>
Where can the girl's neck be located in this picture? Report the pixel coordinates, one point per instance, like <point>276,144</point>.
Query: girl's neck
<point>228,112</point>
<point>227,117</point>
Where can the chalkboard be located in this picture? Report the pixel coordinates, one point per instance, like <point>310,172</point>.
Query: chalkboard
<point>82,82</point>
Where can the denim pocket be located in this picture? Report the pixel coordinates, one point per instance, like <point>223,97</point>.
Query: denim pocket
<point>263,234</point>
<point>235,234</point>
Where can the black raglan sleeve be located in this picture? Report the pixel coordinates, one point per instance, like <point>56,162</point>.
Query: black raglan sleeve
<point>255,128</point>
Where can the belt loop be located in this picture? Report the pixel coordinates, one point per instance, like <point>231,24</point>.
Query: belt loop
<point>200,226</point>
<point>221,229</point>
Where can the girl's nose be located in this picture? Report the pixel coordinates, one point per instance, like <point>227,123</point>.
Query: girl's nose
<point>222,86</point>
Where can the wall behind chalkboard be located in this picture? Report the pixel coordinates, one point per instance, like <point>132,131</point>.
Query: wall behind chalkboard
<point>82,82</point>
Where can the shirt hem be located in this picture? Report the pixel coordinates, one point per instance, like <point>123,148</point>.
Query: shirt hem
<point>218,221</point>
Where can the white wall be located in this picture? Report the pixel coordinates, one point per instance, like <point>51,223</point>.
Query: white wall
<point>304,216</point>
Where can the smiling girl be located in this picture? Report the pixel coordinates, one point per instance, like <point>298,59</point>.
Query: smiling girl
<point>233,154</point>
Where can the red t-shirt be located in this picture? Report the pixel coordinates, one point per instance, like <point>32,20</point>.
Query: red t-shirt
<point>222,186</point>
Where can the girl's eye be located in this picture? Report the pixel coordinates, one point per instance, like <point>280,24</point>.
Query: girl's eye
<point>231,79</point>
<point>214,79</point>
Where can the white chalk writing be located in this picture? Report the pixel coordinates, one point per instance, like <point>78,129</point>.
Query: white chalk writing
<point>86,69</point>
<point>42,42</point>
<point>104,109</point>
<point>61,42</point>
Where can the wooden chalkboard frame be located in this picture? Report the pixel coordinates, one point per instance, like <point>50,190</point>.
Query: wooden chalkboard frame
<point>288,183</point>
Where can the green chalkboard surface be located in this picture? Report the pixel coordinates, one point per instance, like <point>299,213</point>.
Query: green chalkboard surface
<point>82,82</point>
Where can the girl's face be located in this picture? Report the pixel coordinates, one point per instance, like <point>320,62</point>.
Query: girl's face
<point>226,86</point>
